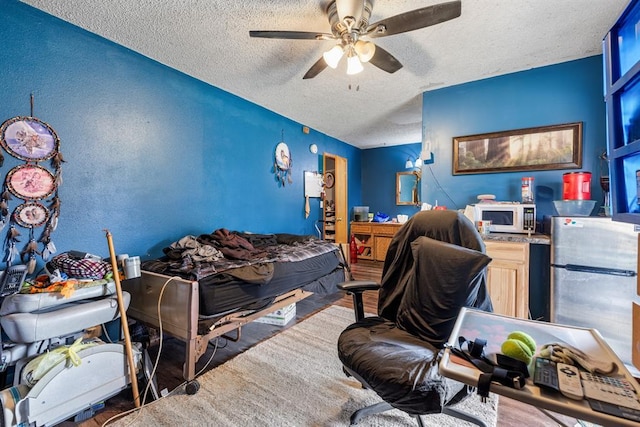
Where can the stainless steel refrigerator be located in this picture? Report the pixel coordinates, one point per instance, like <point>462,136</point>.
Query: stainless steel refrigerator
<point>594,264</point>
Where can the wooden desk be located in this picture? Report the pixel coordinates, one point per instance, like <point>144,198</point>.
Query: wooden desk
<point>374,238</point>
<point>495,328</point>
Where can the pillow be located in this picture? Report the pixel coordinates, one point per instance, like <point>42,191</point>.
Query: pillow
<point>445,277</point>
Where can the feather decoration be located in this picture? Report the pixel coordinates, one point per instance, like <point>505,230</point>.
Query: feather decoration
<point>31,265</point>
<point>48,250</point>
<point>55,204</point>
<point>6,195</point>
<point>54,223</point>
<point>57,160</point>
<point>13,234</point>
<point>10,245</point>
<point>31,249</point>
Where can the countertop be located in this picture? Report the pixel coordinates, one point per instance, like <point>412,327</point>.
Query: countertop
<point>538,239</point>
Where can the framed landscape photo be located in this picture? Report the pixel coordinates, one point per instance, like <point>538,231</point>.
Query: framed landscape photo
<point>539,148</point>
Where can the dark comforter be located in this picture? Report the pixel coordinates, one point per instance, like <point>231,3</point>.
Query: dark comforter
<point>247,256</point>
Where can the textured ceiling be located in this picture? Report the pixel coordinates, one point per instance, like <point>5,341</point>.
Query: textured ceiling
<point>209,40</point>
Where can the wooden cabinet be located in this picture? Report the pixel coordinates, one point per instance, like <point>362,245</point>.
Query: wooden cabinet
<point>508,277</point>
<point>334,202</point>
<point>373,238</point>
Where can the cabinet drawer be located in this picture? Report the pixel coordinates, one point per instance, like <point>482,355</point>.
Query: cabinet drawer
<point>386,229</point>
<point>360,228</point>
<point>508,251</point>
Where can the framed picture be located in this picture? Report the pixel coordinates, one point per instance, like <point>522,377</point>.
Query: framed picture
<point>329,180</point>
<point>539,148</point>
<point>31,214</point>
<point>28,138</point>
<point>30,182</point>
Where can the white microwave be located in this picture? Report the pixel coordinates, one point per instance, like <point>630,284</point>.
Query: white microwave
<point>507,217</point>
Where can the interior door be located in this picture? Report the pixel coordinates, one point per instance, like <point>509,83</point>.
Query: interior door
<point>337,195</point>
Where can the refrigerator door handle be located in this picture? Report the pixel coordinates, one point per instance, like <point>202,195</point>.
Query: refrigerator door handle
<point>596,270</point>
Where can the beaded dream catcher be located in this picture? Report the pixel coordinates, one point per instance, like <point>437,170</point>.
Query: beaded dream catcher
<point>34,141</point>
<point>283,164</point>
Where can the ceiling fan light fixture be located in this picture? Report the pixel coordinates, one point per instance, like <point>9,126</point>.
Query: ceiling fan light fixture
<point>365,50</point>
<point>354,66</point>
<point>332,56</point>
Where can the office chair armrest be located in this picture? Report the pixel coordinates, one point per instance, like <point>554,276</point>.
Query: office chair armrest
<point>357,288</point>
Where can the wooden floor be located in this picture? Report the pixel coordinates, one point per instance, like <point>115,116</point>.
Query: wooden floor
<point>169,373</point>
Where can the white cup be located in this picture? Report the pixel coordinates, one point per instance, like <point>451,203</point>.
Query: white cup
<point>132,267</point>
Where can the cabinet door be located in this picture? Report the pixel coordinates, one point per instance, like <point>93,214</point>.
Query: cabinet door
<point>382,245</point>
<point>635,347</point>
<point>508,278</point>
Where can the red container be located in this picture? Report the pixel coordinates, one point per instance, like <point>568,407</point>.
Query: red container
<point>576,186</point>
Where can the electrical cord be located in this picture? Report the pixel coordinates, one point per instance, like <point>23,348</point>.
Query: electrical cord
<point>155,366</point>
<point>440,187</point>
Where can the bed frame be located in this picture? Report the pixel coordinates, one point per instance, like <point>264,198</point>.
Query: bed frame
<point>179,310</point>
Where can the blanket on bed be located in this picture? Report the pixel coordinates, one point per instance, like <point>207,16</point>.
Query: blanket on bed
<point>232,252</point>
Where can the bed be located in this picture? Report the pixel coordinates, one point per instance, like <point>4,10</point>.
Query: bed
<point>211,285</point>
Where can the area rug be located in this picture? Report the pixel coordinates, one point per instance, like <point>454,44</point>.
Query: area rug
<point>292,379</point>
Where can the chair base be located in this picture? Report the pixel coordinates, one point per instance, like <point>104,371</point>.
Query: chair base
<point>384,406</point>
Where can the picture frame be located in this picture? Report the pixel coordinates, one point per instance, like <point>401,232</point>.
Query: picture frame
<point>29,139</point>
<point>329,180</point>
<point>537,148</point>
<point>31,214</point>
<point>30,182</point>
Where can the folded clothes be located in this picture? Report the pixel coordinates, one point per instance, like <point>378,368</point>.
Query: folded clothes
<point>564,353</point>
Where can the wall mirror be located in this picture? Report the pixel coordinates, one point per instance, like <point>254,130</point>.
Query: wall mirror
<point>407,188</point>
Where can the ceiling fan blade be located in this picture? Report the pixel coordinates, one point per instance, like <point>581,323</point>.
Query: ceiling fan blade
<point>385,61</point>
<point>315,69</point>
<point>415,19</point>
<point>295,35</point>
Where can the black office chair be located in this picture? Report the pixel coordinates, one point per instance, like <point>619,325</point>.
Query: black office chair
<point>434,266</point>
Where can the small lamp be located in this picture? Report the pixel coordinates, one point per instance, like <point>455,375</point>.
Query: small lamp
<point>365,50</point>
<point>332,56</point>
<point>354,66</point>
<point>409,164</point>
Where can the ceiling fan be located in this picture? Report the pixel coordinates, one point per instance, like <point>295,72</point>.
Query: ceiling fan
<point>349,20</point>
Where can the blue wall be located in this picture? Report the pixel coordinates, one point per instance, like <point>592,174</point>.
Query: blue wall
<point>151,154</point>
<point>379,167</point>
<point>557,94</point>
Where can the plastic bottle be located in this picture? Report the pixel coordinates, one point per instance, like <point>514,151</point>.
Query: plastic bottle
<point>527,189</point>
<point>353,250</point>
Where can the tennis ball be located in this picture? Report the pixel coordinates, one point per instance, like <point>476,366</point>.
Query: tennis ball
<point>525,338</point>
<point>518,350</point>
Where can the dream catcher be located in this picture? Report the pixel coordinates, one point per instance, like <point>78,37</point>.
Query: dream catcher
<point>283,164</point>
<point>31,140</point>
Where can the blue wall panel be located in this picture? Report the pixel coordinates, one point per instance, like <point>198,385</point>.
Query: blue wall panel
<point>379,169</point>
<point>151,154</point>
<point>557,94</point>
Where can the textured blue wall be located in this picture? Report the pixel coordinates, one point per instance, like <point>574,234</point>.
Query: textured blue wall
<point>151,154</point>
<point>379,167</point>
<point>564,93</point>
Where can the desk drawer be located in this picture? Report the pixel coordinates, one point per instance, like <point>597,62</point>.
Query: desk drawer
<point>387,229</point>
<point>508,251</point>
<point>360,228</point>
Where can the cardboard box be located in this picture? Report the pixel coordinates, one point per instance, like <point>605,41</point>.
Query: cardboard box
<point>279,317</point>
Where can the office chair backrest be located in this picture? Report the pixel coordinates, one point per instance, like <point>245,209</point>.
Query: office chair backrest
<point>445,278</point>
<point>445,226</point>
